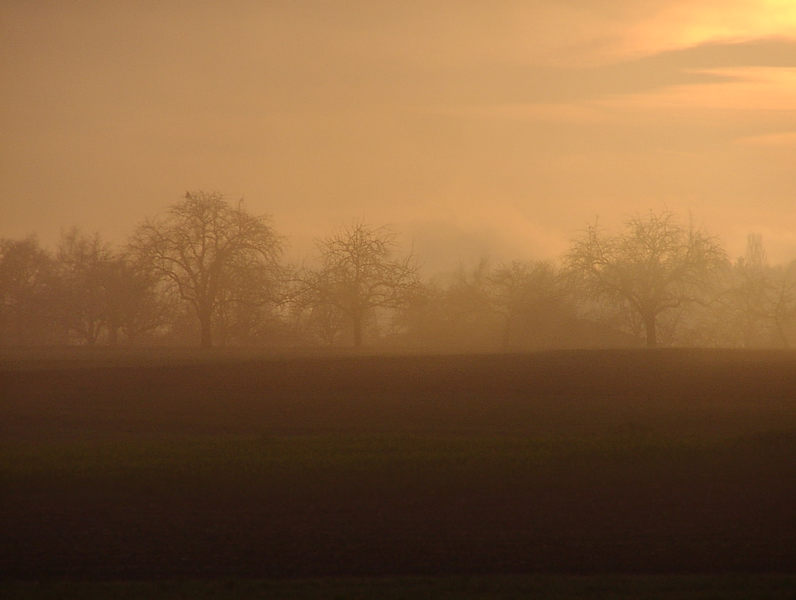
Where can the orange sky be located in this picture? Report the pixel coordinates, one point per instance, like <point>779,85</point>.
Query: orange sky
<point>474,128</point>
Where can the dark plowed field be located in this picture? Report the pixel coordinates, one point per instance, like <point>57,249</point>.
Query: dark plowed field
<point>579,462</point>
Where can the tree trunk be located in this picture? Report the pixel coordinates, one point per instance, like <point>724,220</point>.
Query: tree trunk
<point>206,337</point>
<point>783,338</point>
<point>356,322</point>
<point>649,325</point>
<point>506,341</point>
<point>205,326</point>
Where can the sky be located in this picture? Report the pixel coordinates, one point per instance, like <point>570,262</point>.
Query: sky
<point>475,129</point>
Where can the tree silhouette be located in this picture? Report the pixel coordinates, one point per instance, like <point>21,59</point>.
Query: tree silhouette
<point>201,246</point>
<point>759,300</point>
<point>358,275</point>
<point>29,308</point>
<point>83,261</point>
<point>135,303</point>
<point>532,300</point>
<point>654,265</point>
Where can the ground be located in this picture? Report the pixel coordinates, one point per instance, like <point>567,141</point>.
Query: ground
<point>654,468</point>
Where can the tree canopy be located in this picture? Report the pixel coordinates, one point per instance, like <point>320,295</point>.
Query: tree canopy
<point>201,246</point>
<point>654,265</point>
<point>358,274</point>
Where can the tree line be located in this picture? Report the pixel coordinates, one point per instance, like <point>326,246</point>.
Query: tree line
<point>208,272</point>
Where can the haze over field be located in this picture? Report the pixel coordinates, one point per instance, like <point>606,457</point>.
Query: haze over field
<point>474,129</point>
<point>381,298</point>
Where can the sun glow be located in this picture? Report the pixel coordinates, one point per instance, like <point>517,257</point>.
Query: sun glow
<point>681,25</point>
<point>767,18</point>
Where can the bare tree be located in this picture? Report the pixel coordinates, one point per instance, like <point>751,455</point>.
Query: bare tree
<point>135,302</point>
<point>653,266</point>
<point>532,300</point>
<point>200,246</point>
<point>246,308</point>
<point>359,275</point>
<point>83,261</point>
<point>453,311</point>
<point>28,306</point>
<point>758,302</point>
<point>784,303</point>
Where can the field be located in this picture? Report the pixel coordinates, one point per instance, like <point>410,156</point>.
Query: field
<point>495,473</point>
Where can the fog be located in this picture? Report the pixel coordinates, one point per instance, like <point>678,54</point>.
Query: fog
<point>475,131</point>
<point>381,298</point>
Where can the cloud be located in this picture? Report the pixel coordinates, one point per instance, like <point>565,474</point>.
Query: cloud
<point>766,52</point>
<point>760,90</point>
<point>515,91</point>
